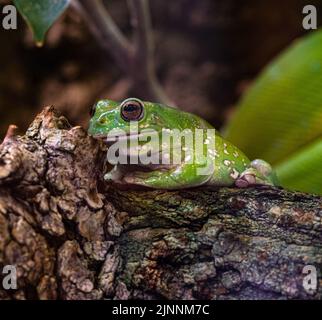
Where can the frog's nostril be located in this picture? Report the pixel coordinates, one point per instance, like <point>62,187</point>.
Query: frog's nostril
<point>102,120</point>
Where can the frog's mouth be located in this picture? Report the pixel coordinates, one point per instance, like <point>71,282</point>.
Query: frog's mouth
<point>111,139</point>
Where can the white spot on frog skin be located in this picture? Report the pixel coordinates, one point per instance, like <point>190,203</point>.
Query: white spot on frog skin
<point>234,174</point>
<point>100,104</point>
<point>226,152</point>
<point>227,163</point>
<point>235,154</point>
<point>213,153</point>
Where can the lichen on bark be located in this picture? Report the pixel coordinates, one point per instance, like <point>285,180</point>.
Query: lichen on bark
<point>71,236</point>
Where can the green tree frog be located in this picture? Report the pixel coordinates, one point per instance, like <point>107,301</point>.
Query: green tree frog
<point>209,160</point>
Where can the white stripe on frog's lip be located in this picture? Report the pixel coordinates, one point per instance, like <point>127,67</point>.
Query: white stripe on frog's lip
<point>122,137</point>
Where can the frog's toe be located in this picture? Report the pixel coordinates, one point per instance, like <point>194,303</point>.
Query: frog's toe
<point>129,179</point>
<point>265,172</point>
<point>246,180</point>
<point>108,177</point>
<point>263,167</point>
<point>132,178</point>
<point>114,175</point>
<point>252,176</point>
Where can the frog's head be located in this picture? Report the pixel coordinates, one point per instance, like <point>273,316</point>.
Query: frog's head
<point>109,115</point>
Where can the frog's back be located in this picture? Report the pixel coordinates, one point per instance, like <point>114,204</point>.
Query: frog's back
<point>228,161</point>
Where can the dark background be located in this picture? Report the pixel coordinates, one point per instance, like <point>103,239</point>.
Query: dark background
<point>207,53</point>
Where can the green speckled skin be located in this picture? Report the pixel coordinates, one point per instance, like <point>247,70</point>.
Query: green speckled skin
<point>229,165</point>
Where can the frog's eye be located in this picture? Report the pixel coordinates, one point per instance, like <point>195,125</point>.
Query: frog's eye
<point>132,110</point>
<point>92,111</point>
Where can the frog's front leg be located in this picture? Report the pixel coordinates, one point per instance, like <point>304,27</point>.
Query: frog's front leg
<point>259,172</point>
<point>114,175</point>
<point>182,176</point>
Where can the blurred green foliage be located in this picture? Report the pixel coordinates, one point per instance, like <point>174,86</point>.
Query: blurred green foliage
<point>280,117</point>
<point>40,15</point>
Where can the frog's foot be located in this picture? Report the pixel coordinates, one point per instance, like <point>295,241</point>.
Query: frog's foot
<point>151,179</point>
<point>115,175</point>
<point>259,172</point>
<point>184,176</point>
<point>245,180</point>
<point>137,178</point>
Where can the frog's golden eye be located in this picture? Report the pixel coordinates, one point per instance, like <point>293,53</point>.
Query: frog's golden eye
<point>132,110</point>
<point>92,111</point>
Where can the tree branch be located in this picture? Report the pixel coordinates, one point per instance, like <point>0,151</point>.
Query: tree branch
<point>73,237</point>
<point>136,60</point>
<point>143,66</point>
<point>141,22</point>
<point>106,31</point>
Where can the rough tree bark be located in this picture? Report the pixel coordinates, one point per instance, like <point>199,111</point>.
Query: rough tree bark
<point>72,237</point>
